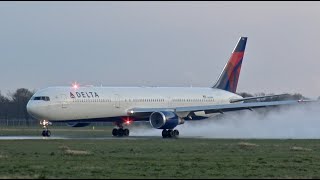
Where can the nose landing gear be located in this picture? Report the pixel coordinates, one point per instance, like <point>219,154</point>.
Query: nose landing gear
<point>46,132</point>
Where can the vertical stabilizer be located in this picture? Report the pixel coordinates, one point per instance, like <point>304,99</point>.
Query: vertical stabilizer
<point>228,79</point>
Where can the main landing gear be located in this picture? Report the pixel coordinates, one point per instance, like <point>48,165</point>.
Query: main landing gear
<point>46,132</point>
<point>119,132</point>
<point>170,133</point>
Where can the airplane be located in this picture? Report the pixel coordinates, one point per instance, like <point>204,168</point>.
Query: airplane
<point>164,107</point>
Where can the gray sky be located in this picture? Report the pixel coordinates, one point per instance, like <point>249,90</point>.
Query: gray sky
<point>159,44</point>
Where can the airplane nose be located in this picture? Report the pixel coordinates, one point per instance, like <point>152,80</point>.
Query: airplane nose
<point>30,108</point>
<point>34,110</point>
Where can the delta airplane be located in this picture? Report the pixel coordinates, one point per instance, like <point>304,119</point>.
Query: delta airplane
<point>164,107</point>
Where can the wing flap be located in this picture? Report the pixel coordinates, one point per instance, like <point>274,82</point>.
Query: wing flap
<point>257,97</point>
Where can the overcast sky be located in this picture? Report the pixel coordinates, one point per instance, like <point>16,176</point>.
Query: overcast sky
<point>159,44</point>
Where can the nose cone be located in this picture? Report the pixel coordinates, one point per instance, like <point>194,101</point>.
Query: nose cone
<point>35,110</point>
<point>31,109</point>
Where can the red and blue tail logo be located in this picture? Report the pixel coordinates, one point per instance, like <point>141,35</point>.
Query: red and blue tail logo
<point>228,79</point>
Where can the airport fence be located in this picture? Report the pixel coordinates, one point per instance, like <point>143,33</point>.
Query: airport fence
<point>36,123</point>
<point>18,122</point>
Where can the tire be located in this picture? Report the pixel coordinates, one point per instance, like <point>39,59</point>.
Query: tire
<point>120,132</point>
<point>176,133</point>
<point>115,132</point>
<point>48,133</point>
<point>170,133</point>
<point>164,133</point>
<point>126,132</point>
<point>44,133</point>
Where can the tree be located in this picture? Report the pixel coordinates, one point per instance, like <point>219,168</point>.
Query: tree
<point>20,99</point>
<point>4,102</point>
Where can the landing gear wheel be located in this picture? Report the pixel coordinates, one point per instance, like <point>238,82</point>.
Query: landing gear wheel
<point>120,132</point>
<point>176,133</point>
<point>126,132</point>
<point>115,132</point>
<point>46,133</point>
<point>164,133</point>
<point>170,133</point>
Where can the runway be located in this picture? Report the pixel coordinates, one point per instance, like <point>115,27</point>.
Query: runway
<point>77,138</point>
<point>86,138</point>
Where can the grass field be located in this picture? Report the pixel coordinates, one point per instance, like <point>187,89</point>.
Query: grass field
<point>156,157</point>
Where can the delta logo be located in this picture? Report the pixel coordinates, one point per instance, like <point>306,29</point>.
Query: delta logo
<point>84,95</point>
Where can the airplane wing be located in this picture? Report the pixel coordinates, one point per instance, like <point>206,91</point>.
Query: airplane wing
<point>220,108</point>
<point>257,97</point>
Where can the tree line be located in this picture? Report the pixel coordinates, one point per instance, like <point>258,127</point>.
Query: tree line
<point>13,106</point>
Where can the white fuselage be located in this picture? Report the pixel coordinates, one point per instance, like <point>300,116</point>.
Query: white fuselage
<point>68,103</point>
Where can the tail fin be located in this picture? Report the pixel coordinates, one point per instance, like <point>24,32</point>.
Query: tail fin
<point>228,79</point>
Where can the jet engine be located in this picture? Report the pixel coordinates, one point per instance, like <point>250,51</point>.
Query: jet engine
<point>165,120</point>
<point>77,124</point>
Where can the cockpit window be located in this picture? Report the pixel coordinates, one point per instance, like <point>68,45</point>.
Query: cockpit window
<point>43,98</point>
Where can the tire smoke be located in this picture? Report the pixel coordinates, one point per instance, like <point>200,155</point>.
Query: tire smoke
<point>292,122</point>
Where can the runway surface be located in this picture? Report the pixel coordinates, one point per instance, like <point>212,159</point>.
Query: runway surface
<point>75,138</point>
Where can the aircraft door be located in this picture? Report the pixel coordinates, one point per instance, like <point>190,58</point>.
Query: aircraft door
<point>64,101</point>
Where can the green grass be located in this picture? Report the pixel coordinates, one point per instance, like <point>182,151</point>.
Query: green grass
<point>158,158</point>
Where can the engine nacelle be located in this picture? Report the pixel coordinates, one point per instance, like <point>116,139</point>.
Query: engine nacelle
<point>165,120</point>
<point>76,124</point>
